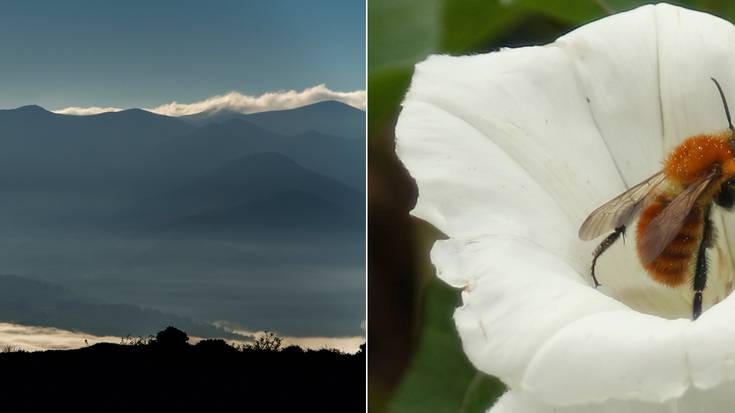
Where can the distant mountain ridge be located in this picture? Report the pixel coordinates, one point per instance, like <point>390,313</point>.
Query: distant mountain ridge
<point>249,183</point>
<point>112,157</point>
<point>37,145</point>
<point>329,117</point>
<point>215,143</point>
<point>33,302</point>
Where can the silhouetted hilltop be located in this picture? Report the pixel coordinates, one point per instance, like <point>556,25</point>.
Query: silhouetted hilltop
<point>166,373</point>
<point>29,110</point>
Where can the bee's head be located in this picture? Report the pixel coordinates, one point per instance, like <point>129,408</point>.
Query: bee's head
<point>726,195</point>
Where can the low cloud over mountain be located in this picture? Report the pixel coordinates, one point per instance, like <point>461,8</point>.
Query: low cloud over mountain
<point>240,103</point>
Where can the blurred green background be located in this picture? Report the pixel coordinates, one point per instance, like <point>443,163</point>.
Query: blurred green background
<point>415,359</point>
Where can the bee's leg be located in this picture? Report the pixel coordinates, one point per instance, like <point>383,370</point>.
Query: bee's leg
<point>700,270</point>
<point>604,245</point>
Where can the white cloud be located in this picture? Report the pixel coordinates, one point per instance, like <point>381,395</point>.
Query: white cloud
<point>347,344</point>
<point>237,102</point>
<point>47,338</point>
<point>80,111</point>
<point>283,99</point>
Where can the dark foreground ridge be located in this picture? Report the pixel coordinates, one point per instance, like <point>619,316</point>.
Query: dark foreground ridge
<point>166,373</point>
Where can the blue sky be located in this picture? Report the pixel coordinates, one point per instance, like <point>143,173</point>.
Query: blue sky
<point>144,53</point>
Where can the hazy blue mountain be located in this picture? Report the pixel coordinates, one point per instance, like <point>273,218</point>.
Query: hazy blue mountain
<point>33,302</point>
<point>38,147</point>
<point>71,170</point>
<point>291,213</point>
<point>135,150</point>
<point>185,157</point>
<point>328,117</point>
<point>339,158</point>
<point>254,183</point>
<point>63,170</point>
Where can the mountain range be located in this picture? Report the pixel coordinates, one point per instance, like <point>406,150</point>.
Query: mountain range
<point>329,117</point>
<point>103,204</point>
<point>35,302</point>
<point>114,162</point>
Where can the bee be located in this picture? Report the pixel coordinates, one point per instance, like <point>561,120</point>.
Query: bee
<point>673,207</point>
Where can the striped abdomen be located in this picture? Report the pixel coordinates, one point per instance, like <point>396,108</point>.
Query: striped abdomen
<point>674,265</point>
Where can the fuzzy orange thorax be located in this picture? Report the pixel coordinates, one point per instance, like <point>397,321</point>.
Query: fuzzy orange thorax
<point>694,158</point>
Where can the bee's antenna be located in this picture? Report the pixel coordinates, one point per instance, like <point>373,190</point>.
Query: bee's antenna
<point>727,109</point>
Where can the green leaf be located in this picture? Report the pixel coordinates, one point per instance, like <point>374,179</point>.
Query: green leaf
<point>481,393</point>
<point>387,88</point>
<point>472,24</point>
<point>401,32</point>
<point>623,5</point>
<point>441,379</point>
<point>724,9</point>
<point>567,11</point>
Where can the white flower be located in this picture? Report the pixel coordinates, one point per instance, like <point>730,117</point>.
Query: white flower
<point>511,150</point>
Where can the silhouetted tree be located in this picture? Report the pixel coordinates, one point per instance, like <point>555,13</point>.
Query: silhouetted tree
<point>268,341</point>
<point>215,346</point>
<point>296,350</point>
<point>172,337</point>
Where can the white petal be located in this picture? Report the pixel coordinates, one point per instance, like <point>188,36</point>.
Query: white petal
<point>711,345</point>
<point>517,297</point>
<point>617,63</point>
<point>493,110</point>
<point>695,401</point>
<point>472,186</point>
<point>528,320</point>
<point>519,402</point>
<point>612,355</point>
<point>693,47</point>
<point>575,345</point>
<point>489,147</point>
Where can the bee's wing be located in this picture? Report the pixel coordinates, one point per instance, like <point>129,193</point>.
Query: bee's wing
<point>619,210</point>
<point>667,224</point>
